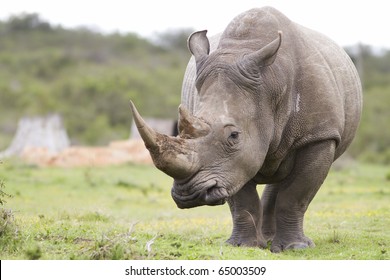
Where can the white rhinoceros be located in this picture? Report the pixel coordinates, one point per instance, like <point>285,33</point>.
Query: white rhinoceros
<point>271,102</point>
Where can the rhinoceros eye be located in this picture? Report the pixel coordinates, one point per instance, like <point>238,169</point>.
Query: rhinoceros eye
<point>233,138</point>
<point>234,135</point>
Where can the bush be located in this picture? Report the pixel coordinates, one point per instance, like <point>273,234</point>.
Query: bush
<point>372,140</point>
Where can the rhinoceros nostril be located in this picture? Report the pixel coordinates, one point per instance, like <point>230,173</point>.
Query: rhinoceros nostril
<point>212,190</point>
<point>215,195</point>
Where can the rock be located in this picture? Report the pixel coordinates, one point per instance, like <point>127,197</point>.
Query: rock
<point>42,133</point>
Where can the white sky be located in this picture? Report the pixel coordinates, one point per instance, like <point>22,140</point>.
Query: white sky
<point>346,22</point>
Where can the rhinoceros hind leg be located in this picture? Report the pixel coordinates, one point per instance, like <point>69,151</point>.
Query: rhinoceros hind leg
<point>268,200</point>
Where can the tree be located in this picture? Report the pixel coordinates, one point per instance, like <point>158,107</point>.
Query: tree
<point>27,22</point>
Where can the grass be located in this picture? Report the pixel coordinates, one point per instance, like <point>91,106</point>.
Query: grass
<point>126,212</point>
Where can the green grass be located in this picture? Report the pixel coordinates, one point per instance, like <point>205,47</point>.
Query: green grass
<point>126,212</point>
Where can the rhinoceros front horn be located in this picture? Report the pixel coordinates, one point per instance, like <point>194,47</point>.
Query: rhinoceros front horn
<point>174,156</point>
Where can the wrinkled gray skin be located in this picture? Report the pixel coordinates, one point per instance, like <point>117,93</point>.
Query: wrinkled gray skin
<point>272,103</point>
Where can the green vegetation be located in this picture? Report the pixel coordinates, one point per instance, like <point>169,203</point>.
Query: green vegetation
<point>7,225</point>
<point>126,212</point>
<point>89,78</point>
<point>373,139</point>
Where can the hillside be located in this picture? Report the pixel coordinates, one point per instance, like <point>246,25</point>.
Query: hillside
<point>87,77</point>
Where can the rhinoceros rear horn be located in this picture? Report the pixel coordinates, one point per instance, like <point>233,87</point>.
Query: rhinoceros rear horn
<point>174,156</point>
<point>191,126</point>
<point>265,56</point>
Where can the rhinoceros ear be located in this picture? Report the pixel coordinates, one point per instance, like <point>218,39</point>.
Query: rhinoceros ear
<point>265,56</point>
<point>199,45</point>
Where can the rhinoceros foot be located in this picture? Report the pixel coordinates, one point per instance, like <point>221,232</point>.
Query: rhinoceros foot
<point>247,242</point>
<point>282,245</point>
<point>268,234</point>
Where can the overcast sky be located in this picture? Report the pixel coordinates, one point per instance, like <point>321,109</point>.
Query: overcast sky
<point>346,22</point>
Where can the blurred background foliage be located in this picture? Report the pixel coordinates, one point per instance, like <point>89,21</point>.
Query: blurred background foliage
<point>88,78</point>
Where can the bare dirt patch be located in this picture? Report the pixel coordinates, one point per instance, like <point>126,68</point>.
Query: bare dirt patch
<point>117,152</point>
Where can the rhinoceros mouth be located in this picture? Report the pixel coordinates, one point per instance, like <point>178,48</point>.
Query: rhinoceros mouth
<point>205,194</point>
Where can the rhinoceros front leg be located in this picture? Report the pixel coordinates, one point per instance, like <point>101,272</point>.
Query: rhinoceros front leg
<point>246,212</point>
<point>294,194</point>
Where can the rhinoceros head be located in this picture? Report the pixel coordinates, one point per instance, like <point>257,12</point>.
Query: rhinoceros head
<point>223,144</point>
